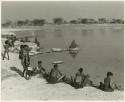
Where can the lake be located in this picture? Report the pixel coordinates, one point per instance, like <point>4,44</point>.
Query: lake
<point>101,49</point>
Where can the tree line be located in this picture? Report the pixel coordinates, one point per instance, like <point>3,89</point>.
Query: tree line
<point>59,20</point>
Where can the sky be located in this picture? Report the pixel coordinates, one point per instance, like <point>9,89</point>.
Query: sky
<point>20,10</point>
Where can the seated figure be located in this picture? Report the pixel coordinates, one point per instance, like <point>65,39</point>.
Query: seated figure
<point>73,44</point>
<point>55,74</point>
<point>106,85</point>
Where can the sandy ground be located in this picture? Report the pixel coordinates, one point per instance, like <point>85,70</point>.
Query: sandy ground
<point>15,87</point>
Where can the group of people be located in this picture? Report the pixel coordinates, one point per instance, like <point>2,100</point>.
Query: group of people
<point>8,43</point>
<point>54,76</point>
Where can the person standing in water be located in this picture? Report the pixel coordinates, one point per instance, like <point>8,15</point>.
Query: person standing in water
<point>73,44</point>
<point>37,42</point>
<point>6,49</point>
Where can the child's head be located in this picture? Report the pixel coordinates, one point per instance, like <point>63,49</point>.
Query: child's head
<point>80,70</point>
<point>109,74</point>
<point>39,62</point>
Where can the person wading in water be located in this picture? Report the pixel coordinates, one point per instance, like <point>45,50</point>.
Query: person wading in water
<point>73,44</point>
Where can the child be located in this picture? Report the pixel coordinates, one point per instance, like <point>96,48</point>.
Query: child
<point>39,69</point>
<point>6,49</point>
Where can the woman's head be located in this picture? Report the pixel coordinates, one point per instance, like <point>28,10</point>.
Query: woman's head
<point>80,70</point>
<point>109,74</point>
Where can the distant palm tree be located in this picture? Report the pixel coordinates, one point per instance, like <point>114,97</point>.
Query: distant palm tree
<point>20,23</point>
<point>84,21</point>
<point>102,20</point>
<point>58,20</point>
<point>38,22</point>
<point>26,22</point>
<point>7,24</point>
<point>74,21</point>
<point>120,21</point>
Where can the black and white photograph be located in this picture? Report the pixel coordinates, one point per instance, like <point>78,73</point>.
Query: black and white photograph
<point>62,50</point>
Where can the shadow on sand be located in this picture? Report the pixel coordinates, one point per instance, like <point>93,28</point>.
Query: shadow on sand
<point>17,71</point>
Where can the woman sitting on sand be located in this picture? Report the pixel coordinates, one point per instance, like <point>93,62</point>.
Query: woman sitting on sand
<point>79,77</point>
<point>106,86</point>
<point>55,74</point>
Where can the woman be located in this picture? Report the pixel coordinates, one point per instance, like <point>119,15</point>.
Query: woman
<point>55,74</point>
<point>79,77</point>
<point>107,81</point>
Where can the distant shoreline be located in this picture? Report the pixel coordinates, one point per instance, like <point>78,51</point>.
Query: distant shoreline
<point>24,28</point>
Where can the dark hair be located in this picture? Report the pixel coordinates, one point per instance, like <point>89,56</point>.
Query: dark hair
<point>39,62</point>
<point>80,69</point>
<point>55,65</point>
<point>26,47</point>
<point>21,46</point>
<point>109,74</point>
<point>6,42</point>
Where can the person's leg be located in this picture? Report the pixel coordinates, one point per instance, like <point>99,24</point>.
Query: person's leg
<point>4,55</point>
<point>27,73</point>
<point>24,72</point>
<point>85,82</point>
<point>7,55</point>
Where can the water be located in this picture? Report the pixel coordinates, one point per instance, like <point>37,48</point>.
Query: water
<point>101,49</point>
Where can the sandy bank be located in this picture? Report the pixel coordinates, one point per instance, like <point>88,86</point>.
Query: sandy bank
<point>15,87</point>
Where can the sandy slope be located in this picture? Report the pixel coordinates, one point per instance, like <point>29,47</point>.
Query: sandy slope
<point>15,87</point>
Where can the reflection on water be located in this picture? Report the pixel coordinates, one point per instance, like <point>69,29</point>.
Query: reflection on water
<point>58,33</point>
<point>73,54</point>
<point>40,33</point>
